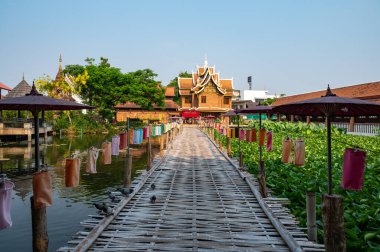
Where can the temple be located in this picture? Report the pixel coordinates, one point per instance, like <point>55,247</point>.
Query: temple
<point>205,93</point>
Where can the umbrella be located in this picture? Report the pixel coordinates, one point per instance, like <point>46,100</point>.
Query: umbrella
<point>35,103</point>
<point>330,105</point>
<point>257,110</point>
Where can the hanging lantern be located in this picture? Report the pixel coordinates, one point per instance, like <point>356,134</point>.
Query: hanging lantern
<point>115,145</point>
<point>269,141</point>
<point>6,187</point>
<point>248,135</point>
<point>233,133</point>
<point>123,141</point>
<point>130,136</point>
<point>299,152</point>
<point>262,133</point>
<point>253,136</point>
<point>229,132</point>
<point>145,133</point>
<point>93,154</point>
<point>72,172</point>
<point>353,169</point>
<point>242,135</point>
<point>286,150</point>
<point>42,189</point>
<point>106,153</point>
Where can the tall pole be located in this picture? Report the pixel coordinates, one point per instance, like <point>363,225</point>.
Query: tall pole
<point>328,121</point>
<point>261,150</point>
<point>238,116</point>
<point>36,141</point>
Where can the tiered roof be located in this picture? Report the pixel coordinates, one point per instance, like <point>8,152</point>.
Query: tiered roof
<point>366,91</point>
<point>201,78</point>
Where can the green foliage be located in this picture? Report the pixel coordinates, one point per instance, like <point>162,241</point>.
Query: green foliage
<point>268,101</point>
<point>174,83</point>
<point>361,208</point>
<point>107,86</point>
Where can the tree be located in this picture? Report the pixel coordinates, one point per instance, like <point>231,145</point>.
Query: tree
<point>107,86</point>
<point>174,83</point>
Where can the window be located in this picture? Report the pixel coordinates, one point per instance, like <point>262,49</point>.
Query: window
<point>226,100</point>
<point>203,99</point>
<point>188,99</point>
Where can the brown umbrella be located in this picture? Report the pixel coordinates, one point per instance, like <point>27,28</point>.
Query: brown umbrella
<point>257,110</point>
<point>35,103</point>
<point>330,105</point>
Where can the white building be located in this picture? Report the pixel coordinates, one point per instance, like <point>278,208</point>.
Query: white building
<point>256,95</point>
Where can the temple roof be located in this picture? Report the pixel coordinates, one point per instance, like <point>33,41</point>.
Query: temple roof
<point>366,91</point>
<point>21,89</point>
<point>201,79</point>
<point>170,92</point>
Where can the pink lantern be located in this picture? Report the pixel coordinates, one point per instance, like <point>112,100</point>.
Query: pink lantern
<point>242,136</point>
<point>269,141</point>
<point>353,169</point>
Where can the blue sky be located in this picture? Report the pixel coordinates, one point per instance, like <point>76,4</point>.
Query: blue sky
<point>287,46</point>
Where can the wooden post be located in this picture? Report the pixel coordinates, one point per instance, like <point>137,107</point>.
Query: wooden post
<point>333,222</point>
<point>148,156</point>
<point>311,216</point>
<point>262,183</point>
<point>166,140</point>
<point>128,170</point>
<point>162,145</point>
<point>291,118</point>
<point>228,147</point>
<point>278,117</point>
<point>39,228</point>
<point>308,120</point>
<point>241,159</point>
<point>351,127</point>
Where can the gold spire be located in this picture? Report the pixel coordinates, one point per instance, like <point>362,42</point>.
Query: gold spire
<point>59,75</point>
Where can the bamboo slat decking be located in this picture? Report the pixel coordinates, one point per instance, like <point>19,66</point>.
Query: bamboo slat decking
<point>204,203</point>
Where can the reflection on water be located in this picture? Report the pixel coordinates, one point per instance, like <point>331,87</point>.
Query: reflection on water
<point>70,205</point>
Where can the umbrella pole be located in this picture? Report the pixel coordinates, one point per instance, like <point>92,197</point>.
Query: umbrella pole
<point>128,165</point>
<point>36,141</point>
<point>261,151</point>
<point>240,156</point>
<point>262,175</point>
<point>328,118</point>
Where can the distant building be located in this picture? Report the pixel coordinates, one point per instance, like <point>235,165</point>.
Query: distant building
<point>256,95</point>
<point>163,114</point>
<point>205,93</point>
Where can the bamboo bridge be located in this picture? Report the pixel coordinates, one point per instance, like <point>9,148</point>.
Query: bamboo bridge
<point>204,202</point>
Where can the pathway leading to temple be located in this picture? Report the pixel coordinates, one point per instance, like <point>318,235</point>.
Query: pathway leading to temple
<point>203,203</point>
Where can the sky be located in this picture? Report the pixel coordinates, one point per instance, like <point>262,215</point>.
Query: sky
<point>288,47</point>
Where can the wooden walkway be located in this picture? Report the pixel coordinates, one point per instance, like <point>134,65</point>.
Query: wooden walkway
<point>204,203</point>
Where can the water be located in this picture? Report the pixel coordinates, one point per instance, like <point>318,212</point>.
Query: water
<point>70,205</point>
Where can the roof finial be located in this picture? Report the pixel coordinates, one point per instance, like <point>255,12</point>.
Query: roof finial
<point>23,76</point>
<point>206,63</point>
<point>34,91</point>
<point>329,92</point>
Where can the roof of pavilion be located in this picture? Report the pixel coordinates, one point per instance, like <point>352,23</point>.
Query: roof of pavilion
<point>199,80</point>
<point>366,91</point>
<point>21,89</point>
